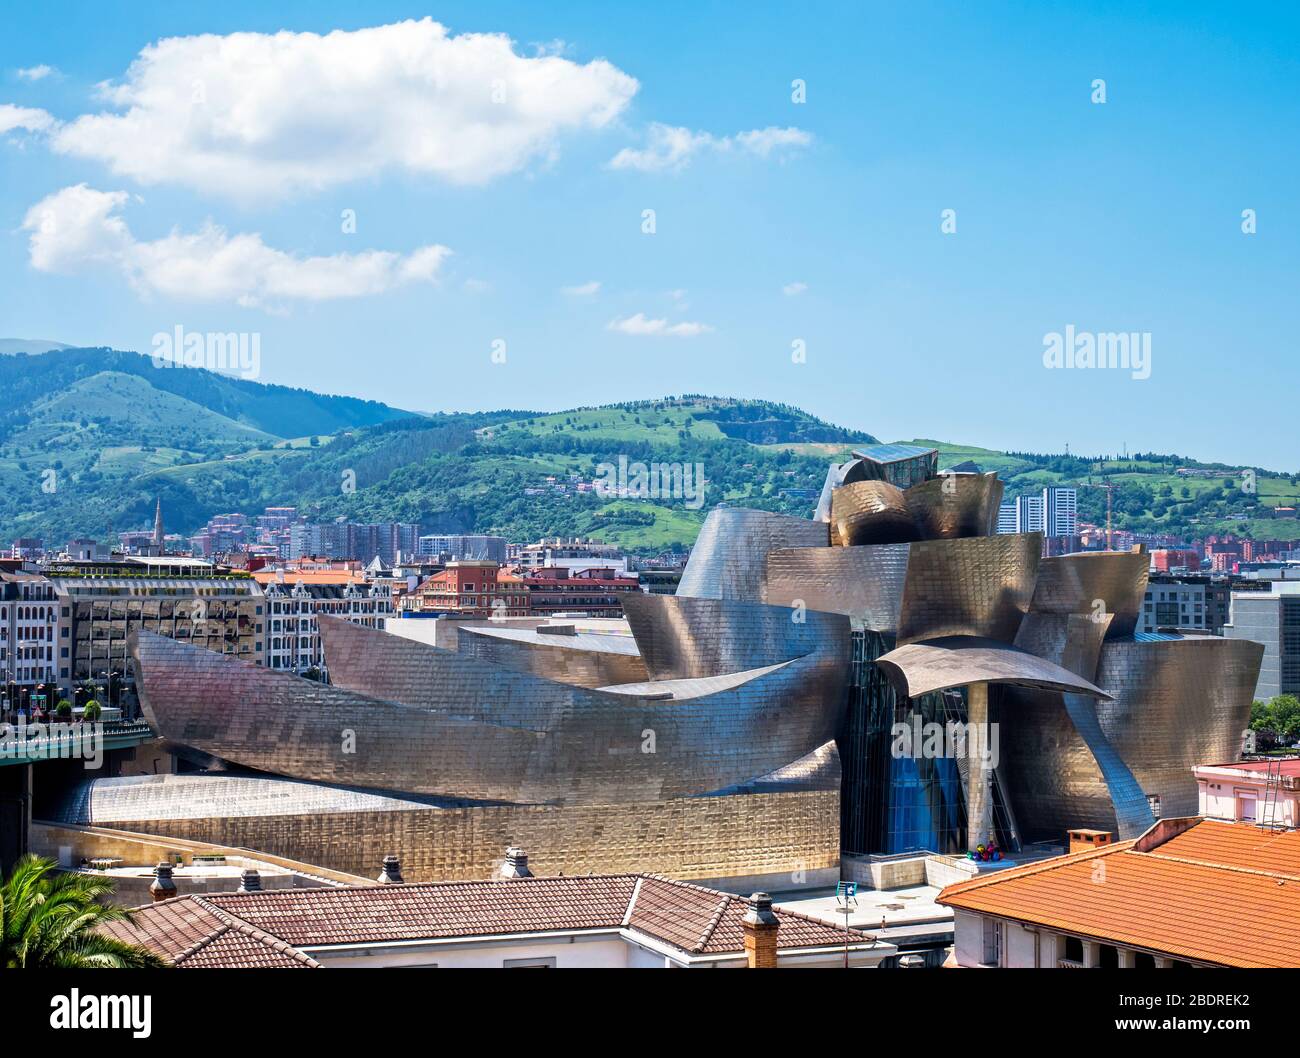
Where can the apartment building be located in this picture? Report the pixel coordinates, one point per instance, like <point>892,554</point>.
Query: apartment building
<point>473,588</point>
<point>102,601</point>
<point>295,598</point>
<point>30,629</point>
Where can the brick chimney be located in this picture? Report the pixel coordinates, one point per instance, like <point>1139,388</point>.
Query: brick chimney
<point>249,881</point>
<point>1083,840</point>
<point>163,888</point>
<point>392,872</point>
<point>516,865</point>
<point>760,926</point>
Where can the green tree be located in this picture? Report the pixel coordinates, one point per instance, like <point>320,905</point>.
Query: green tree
<point>1285,710</point>
<point>49,920</point>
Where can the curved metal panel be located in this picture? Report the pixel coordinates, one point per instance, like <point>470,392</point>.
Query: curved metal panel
<point>1072,640</point>
<point>836,475</point>
<point>865,583</point>
<point>975,586</point>
<point>703,731</point>
<point>955,505</point>
<point>1100,582</point>
<point>958,661</point>
<point>476,731</point>
<point>730,554</point>
<point>1178,703</point>
<point>580,660</point>
<point>871,512</point>
<point>691,638</point>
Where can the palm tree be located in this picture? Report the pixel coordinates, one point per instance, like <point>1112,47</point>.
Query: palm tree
<point>49,920</point>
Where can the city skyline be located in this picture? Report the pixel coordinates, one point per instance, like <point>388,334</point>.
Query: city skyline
<point>778,222</point>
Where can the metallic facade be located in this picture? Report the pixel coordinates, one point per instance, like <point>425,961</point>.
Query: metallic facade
<point>582,659</point>
<point>956,505</point>
<point>744,728</point>
<point>684,638</point>
<point>730,554</point>
<point>435,722</point>
<point>979,586</point>
<point>733,727</point>
<point>941,664</point>
<point>871,512</point>
<point>1177,700</point>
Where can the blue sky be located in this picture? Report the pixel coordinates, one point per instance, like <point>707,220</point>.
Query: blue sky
<point>780,222</point>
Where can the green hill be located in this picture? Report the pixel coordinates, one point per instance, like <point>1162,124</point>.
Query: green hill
<point>92,436</point>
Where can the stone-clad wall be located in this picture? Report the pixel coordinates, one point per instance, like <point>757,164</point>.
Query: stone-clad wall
<point>704,837</point>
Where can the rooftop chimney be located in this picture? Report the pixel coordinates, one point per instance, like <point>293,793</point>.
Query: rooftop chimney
<point>163,888</point>
<point>1083,840</point>
<point>516,865</point>
<point>760,926</point>
<point>249,881</point>
<point>392,872</point>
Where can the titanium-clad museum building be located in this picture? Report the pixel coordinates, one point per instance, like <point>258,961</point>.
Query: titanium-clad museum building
<point>748,730</point>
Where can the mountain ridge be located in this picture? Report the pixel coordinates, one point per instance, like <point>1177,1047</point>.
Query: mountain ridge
<point>93,436</point>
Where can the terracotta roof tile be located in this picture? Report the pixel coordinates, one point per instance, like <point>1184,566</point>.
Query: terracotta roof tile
<point>1223,893</point>
<point>269,928</point>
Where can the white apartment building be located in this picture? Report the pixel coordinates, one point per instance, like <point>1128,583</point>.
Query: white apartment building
<point>1053,512</point>
<point>29,629</point>
<point>294,599</point>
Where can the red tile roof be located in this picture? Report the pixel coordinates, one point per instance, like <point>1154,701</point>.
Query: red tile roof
<point>192,933</point>
<point>269,928</point>
<point>1213,892</point>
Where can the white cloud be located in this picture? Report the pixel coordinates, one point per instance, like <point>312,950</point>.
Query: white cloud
<point>80,227</point>
<point>670,148</point>
<point>640,327</point>
<point>261,115</point>
<point>794,289</point>
<point>772,140</point>
<point>35,73</point>
<point>583,290</point>
<point>28,118</point>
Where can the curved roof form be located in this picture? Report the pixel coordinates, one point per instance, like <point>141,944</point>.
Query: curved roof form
<point>582,659</point>
<point>1177,703</point>
<point>683,638</point>
<point>955,505</point>
<point>437,723</point>
<point>977,586</point>
<point>958,661</point>
<point>871,512</point>
<point>865,583</point>
<point>1094,582</point>
<point>730,553</point>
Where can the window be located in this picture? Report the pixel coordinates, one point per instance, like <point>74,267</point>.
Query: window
<point>1143,960</point>
<point>992,942</point>
<point>1108,957</point>
<point>1073,949</point>
<point>543,963</point>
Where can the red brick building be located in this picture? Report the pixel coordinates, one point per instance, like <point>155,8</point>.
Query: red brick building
<point>597,592</point>
<point>1166,559</point>
<point>475,588</point>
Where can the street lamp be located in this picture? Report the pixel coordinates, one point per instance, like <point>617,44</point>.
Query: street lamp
<point>846,895</point>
